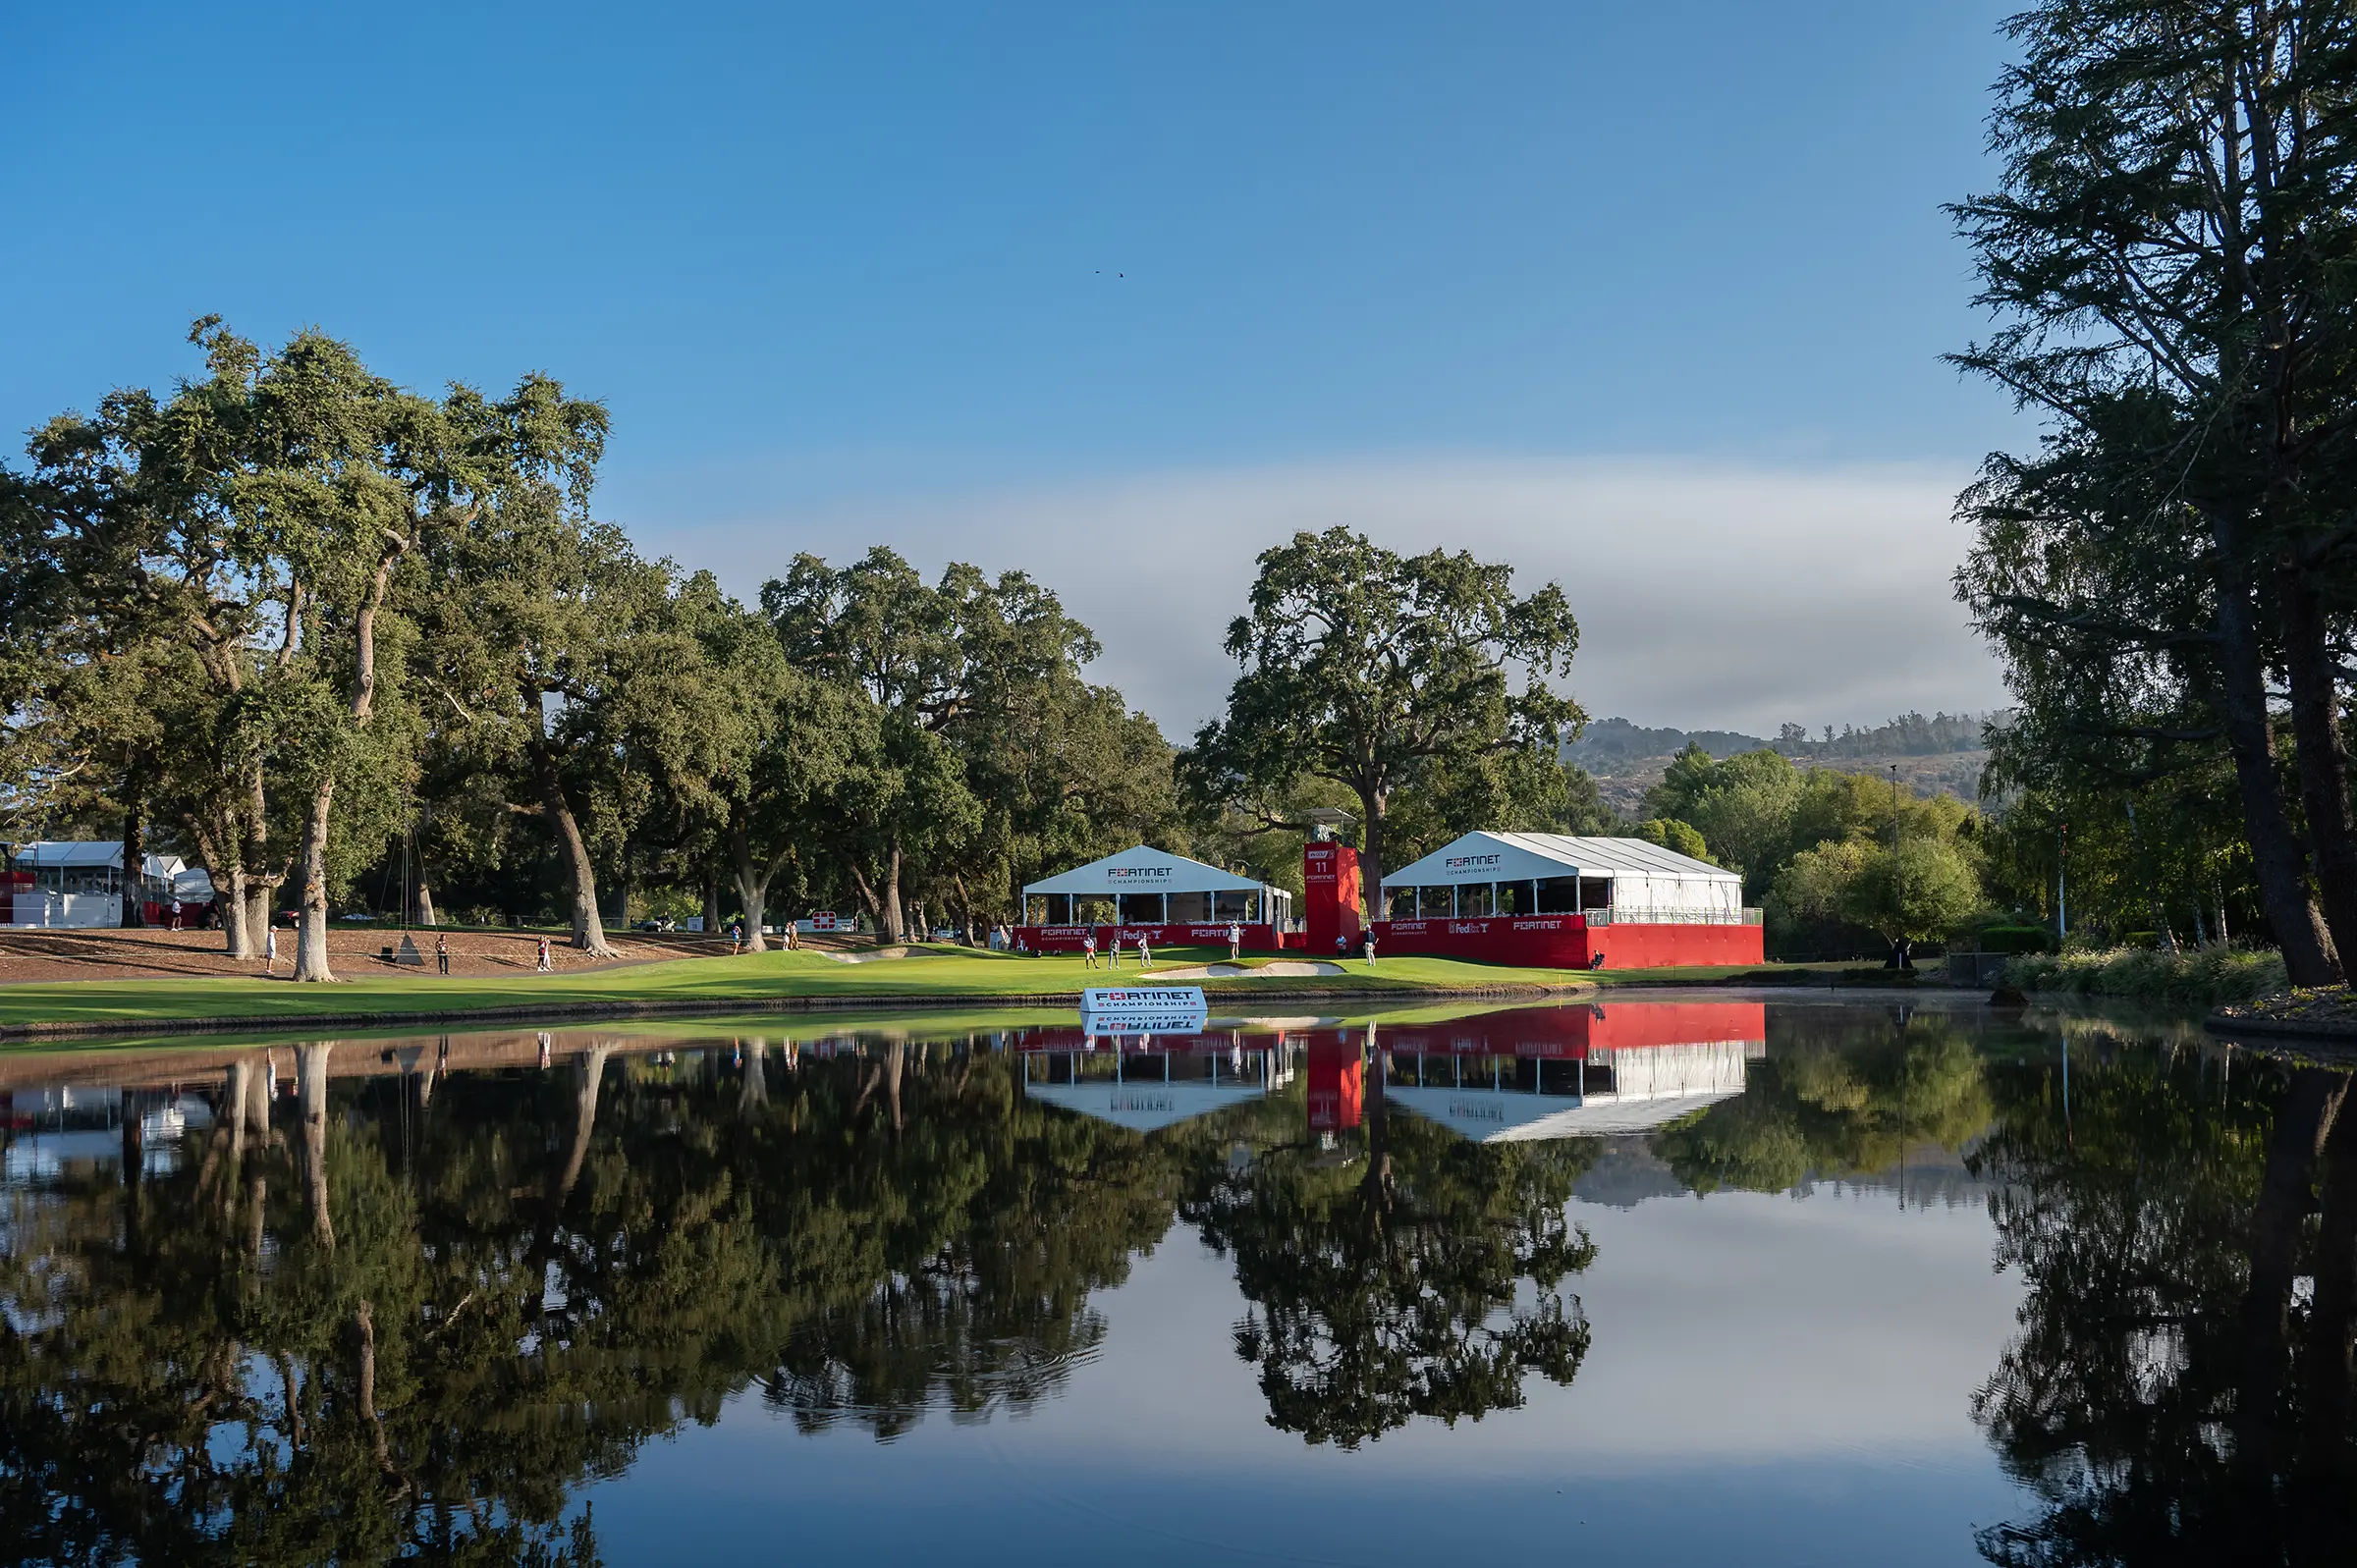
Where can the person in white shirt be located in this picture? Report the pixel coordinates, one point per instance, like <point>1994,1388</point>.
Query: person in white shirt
<point>1236,940</point>
<point>1088,951</point>
<point>1145,954</point>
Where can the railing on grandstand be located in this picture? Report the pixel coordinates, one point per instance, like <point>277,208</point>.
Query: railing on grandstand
<point>1634,915</point>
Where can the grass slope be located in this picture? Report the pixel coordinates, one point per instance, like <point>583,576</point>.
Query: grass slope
<point>752,980</point>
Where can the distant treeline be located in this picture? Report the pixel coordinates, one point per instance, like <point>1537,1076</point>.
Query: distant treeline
<point>1608,742</point>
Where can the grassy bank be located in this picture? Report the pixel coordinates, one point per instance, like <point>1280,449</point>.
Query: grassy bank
<point>752,981</point>
<point>2205,977</point>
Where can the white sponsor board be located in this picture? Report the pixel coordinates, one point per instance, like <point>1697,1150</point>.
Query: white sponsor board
<point>1142,1009</point>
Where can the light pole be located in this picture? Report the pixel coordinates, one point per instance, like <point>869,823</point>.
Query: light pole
<point>1894,808</point>
<point>2063,883</point>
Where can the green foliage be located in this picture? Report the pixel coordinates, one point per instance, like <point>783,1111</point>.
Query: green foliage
<point>2200,977</point>
<point>1366,668</point>
<point>1675,835</point>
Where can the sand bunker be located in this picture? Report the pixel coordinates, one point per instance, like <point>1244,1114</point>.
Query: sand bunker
<point>1290,969</point>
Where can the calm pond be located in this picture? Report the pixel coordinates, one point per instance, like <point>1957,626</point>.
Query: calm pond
<point>1677,1281</point>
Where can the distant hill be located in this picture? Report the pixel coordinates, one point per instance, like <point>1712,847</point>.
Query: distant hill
<point>1942,754</point>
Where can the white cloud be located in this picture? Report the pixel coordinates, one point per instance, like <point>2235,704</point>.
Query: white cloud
<point>1708,595</point>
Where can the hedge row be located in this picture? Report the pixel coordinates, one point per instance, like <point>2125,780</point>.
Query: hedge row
<point>2200,977</point>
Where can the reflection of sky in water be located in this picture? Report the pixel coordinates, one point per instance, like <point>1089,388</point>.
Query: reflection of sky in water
<point>1772,1380</point>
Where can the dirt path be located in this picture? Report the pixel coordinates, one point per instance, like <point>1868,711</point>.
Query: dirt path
<point>27,956</point>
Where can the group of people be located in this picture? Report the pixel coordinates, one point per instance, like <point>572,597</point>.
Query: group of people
<point>1088,950</point>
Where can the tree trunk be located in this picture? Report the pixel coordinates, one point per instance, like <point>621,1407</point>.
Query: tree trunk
<point>2276,858</point>
<point>2324,766</point>
<point>254,857</point>
<point>1373,798</point>
<point>711,899</point>
<point>311,1068</point>
<point>752,884</point>
<point>135,855</point>
<point>421,914</point>
<point>895,927</point>
<point>310,940</point>
<point>215,842</point>
<point>588,931</point>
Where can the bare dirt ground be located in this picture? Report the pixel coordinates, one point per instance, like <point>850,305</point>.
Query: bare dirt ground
<point>98,954</point>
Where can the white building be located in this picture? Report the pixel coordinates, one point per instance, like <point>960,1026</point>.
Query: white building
<point>1623,880</point>
<point>78,881</point>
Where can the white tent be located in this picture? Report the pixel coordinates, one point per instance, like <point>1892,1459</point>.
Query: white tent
<point>1155,887</point>
<point>1556,872</point>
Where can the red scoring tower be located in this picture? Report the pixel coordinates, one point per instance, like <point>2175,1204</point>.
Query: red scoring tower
<point>1330,888</point>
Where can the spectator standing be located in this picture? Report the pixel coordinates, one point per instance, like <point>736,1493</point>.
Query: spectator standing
<point>545,964</point>
<point>1367,942</point>
<point>442,953</point>
<point>1088,950</point>
<point>1145,952</point>
<point>175,914</point>
<point>269,949</point>
<point>1236,940</point>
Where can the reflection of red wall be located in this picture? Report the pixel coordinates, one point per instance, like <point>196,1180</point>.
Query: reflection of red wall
<point>1330,888</point>
<point>1575,1030</point>
<point>1338,1083</point>
<point>1565,942</point>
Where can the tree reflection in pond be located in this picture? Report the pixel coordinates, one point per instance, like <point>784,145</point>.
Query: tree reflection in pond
<point>2187,1231</point>
<point>1422,1278</point>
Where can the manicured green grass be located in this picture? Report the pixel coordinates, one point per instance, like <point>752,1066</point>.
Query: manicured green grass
<point>751,980</point>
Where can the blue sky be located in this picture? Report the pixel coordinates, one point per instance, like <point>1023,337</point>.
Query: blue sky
<point>1082,287</point>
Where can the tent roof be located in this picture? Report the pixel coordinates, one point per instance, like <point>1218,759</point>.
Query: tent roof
<point>71,852</point>
<point>1144,870</point>
<point>1519,857</point>
<point>1145,1105</point>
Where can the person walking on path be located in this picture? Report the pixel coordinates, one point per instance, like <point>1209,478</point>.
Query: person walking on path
<point>442,953</point>
<point>791,941</point>
<point>1369,942</point>
<point>269,949</point>
<point>736,937</point>
<point>175,914</point>
<point>545,965</point>
<point>1088,951</point>
<point>1236,940</point>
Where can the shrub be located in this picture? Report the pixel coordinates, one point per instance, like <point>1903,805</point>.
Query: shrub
<point>2017,939</point>
<point>2203,977</point>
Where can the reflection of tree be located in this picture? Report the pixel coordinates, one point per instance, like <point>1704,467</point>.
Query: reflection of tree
<point>941,1234</point>
<point>1835,1096</point>
<point>2169,1396</point>
<point>1383,1291</point>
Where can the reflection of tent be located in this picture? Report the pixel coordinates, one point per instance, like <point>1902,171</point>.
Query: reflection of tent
<point>1146,1082</point>
<point>1144,1107</point>
<point>1651,1086</point>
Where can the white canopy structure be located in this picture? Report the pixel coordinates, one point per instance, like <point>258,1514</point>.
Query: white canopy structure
<point>1556,872</point>
<point>78,881</point>
<point>1152,886</point>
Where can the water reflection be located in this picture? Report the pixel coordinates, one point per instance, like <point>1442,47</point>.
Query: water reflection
<point>408,1298</point>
